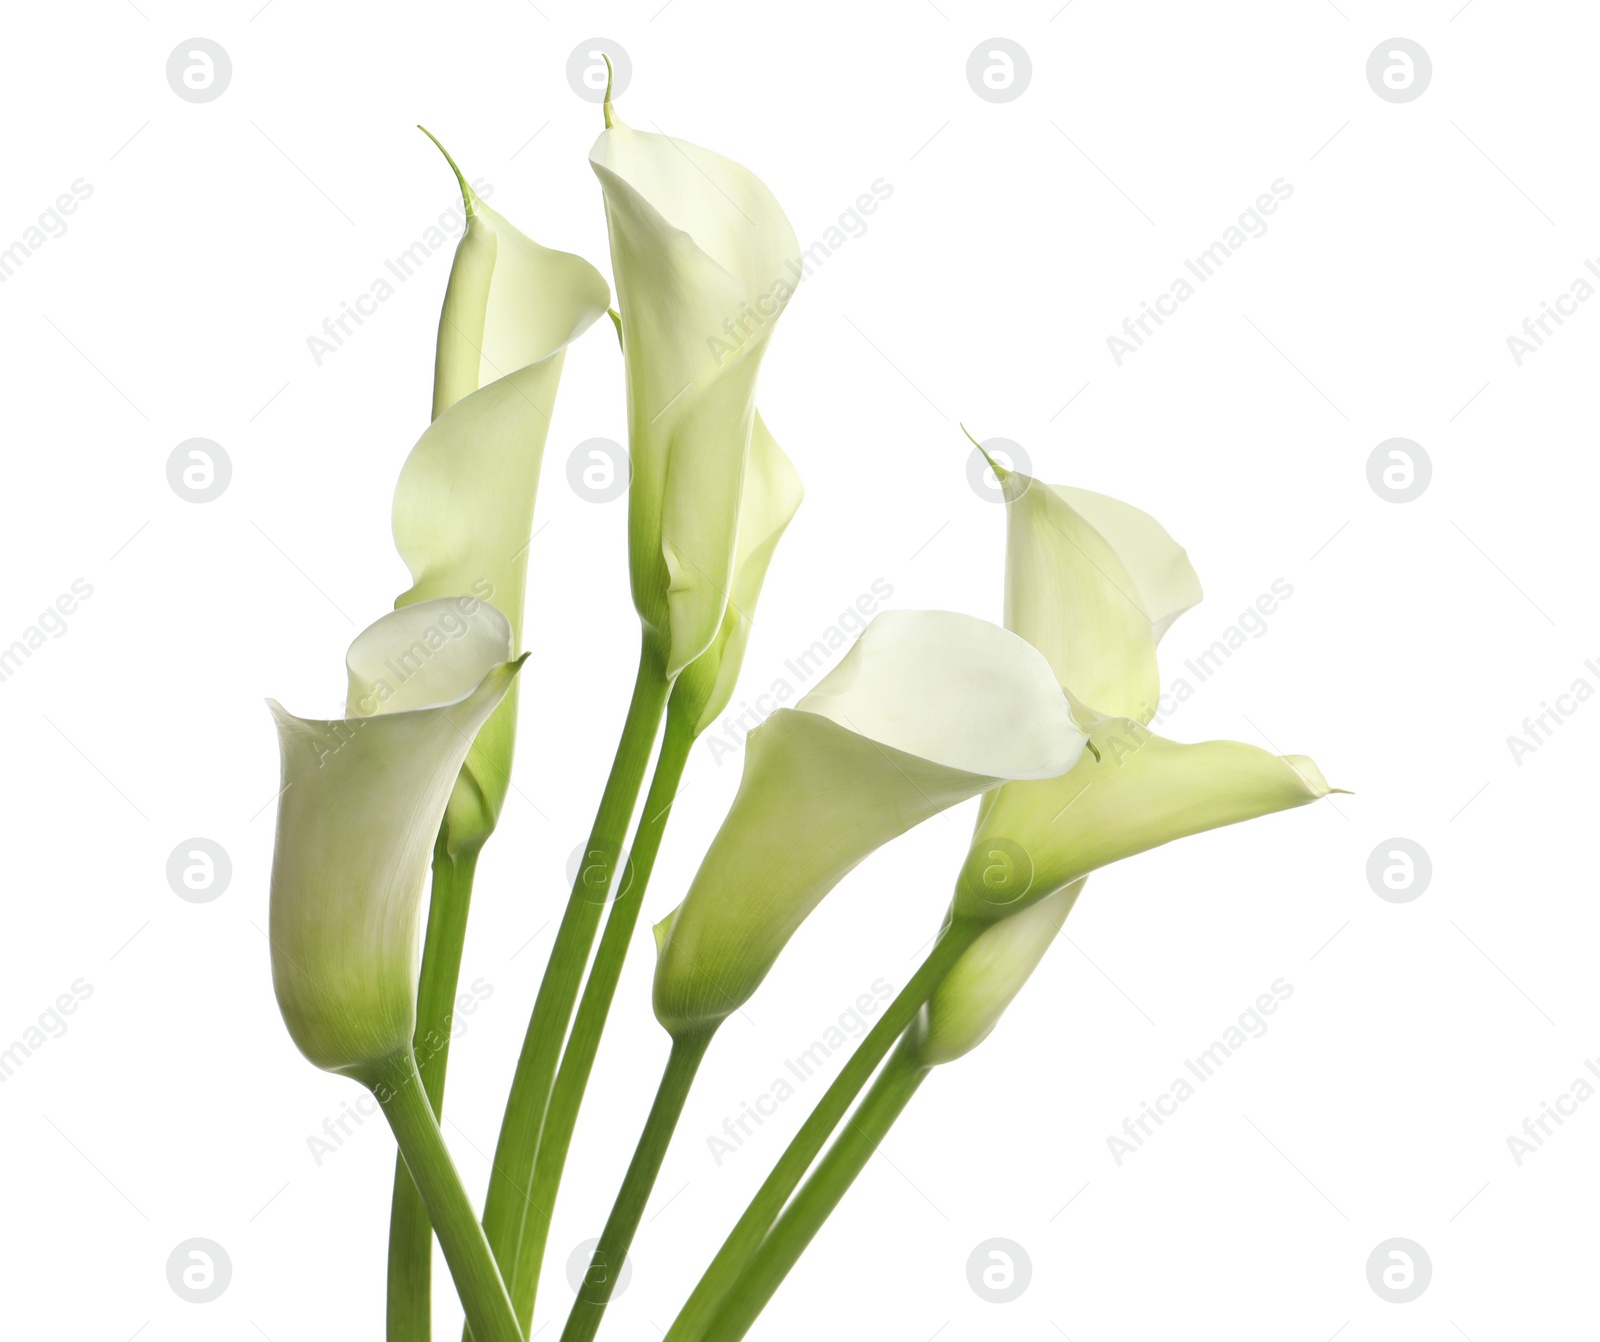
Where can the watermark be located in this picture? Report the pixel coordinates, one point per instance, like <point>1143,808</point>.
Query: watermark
<point>586,1267</point>
<point>199,470</point>
<point>1540,728</point>
<point>199,70</point>
<point>599,470</point>
<point>199,870</point>
<point>199,1270</point>
<point>1536,329</point>
<point>1399,70</point>
<point>1552,1115</point>
<point>599,871</point>
<point>50,624</point>
<point>1002,869</point>
<point>999,70</point>
<point>339,1128</point>
<point>1252,623</point>
<point>731,733</point>
<point>1251,223</point>
<point>1399,470</point>
<point>51,1024</point>
<point>337,329</point>
<point>981,478</point>
<point>999,1270</point>
<point>1399,1270</point>
<point>765,307</point>
<point>1399,870</point>
<point>850,1024</point>
<point>1250,1024</point>
<point>586,69</point>
<point>52,224</point>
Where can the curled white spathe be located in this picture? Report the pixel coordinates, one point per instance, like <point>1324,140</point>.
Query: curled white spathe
<point>358,812</point>
<point>927,709</point>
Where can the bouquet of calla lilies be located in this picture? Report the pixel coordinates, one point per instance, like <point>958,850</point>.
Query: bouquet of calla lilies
<point>1042,719</point>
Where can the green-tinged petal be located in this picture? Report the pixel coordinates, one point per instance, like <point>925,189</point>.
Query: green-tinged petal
<point>510,302</point>
<point>1093,584</point>
<point>463,508</point>
<point>704,261</point>
<point>431,653</point>
<point>1144,791</point>
<point>359,810</point>
<point>968,1004</point>
<point>772,494</point>
<point>927,709</point>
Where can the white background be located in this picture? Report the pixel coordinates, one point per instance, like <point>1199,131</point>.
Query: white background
<point>1018,237</point>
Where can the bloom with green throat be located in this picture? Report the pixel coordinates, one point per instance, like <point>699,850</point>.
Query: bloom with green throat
<point>927,709</point>
<point>698,245</point>
<point>463,507</point>
<point>361,801</point>
<point>704,260</point>
<point>1094,584</point>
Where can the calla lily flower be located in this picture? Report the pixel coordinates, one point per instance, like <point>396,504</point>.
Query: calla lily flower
<point>927,709</point>
<point>463,508</point>
<point>1093,584</point>
<point>361,802</point>
<point>704,261</point>
<point>1036,843</point>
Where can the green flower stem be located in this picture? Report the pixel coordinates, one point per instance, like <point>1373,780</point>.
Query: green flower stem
<point>745,1238</point>
<point>595,1293</point>
<point>509,1205</point>
<point>399,1089</point>
<point>410,1232</point>
<point>814,1203</point>
<point>577,1062</point>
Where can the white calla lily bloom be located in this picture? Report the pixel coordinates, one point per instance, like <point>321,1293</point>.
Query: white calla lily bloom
<point>1094,583</point>
<point>704,261</point>
<point>463,507</point>
<point>927,709</point>
<point>361,802</point>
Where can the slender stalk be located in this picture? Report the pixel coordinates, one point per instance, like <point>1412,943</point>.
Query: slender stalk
<point>746,1236</point>
<point>577,1061</point>
<point>851,1150</point>
<point>410,1232</point>
<point>595,1293</point>
<point>399,1089</point>
<point>509,1205</point>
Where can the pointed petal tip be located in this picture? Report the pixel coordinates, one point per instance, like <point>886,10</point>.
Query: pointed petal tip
<point>498,679</point>
<point>467,196</point>
<point>662,929</point>
<point>1000,472</point>
<point>1306,767</point>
